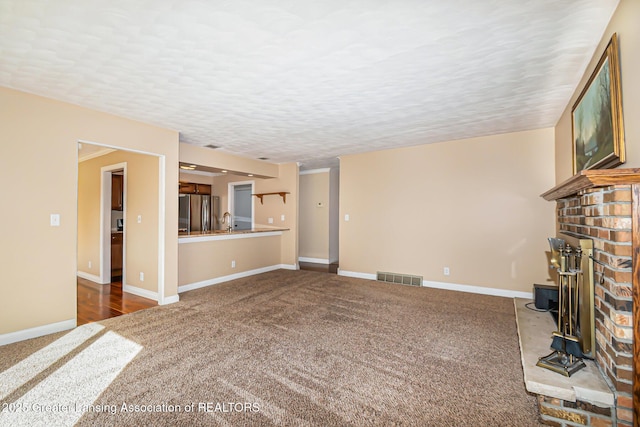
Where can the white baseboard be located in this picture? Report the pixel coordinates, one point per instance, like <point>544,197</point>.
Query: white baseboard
<point>38,331</point>
<point>314,260</point>
<point>89,276</point>
<point>478,290</point>
<point>169,300</point>
<point>450,286</point>
<point>240,275</point>
<point>140,292</point>
<point>356,274</point>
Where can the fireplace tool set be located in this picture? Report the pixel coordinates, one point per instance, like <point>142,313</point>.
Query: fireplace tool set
<point>568,342</point>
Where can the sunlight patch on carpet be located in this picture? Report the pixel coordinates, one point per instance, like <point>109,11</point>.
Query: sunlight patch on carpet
<point>24,371</point>
<point>65,395</point>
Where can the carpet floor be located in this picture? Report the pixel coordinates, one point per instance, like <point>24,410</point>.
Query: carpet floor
<point>290,348</point>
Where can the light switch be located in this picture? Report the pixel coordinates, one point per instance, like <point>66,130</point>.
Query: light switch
<point>139,219</point>
<point>55,220</point>
<point>346,217</point>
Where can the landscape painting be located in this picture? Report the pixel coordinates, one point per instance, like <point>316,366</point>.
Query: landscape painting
<point>598,136</point>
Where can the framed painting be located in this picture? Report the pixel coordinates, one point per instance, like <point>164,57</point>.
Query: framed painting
<point>596,117</point>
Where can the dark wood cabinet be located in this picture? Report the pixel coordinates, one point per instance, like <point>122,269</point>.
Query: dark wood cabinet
<point>187,188</point>
<point>193,188</point>
<point>116,256</point>
<point>117,187</point>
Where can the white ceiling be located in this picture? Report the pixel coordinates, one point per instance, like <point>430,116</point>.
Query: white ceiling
<point>300,80</point>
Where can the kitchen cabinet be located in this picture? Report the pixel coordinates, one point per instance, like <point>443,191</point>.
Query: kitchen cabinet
<point>117,187</point>
<point>193,188</point>
<point>116,256</point>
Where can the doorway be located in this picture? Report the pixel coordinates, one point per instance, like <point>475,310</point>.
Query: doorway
<point>241,204</point>
<point>118,255</point>
<point>113,196</point>
<point>116,221</point>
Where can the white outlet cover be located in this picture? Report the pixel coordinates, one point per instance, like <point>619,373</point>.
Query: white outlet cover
<point>55,220</point>
<point>270,220</point>
<point>139,219</point>
<point>281,217</point>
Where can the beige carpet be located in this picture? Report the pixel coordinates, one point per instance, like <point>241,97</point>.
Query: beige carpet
<point>302,348</point>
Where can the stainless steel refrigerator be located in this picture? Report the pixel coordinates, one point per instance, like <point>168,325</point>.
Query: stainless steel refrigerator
<point>198,213</point>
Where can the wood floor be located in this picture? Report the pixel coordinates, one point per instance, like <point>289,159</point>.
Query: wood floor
<point>98,302</point>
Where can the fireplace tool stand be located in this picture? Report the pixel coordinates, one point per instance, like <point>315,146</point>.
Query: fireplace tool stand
<point>566,359</point>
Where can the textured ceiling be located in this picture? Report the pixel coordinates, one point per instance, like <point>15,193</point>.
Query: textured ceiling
<point>298,80</point>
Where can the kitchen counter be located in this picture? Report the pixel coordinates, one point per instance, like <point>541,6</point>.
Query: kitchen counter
<point>200,236</point>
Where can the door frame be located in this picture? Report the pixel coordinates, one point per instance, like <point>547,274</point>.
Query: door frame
<point>105,221</point>
<point>231,201</point>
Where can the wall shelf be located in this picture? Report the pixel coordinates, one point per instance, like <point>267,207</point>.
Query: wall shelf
<point>282,194</point>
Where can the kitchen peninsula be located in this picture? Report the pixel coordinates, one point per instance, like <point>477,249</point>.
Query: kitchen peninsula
<point>218,256</point>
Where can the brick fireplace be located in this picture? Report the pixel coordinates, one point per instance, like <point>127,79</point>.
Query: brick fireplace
<point>603,205</point>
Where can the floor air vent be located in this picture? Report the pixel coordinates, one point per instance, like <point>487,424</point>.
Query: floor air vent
<point>403,279</point>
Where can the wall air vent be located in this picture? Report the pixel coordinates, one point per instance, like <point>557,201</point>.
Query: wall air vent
<point>403,279</point>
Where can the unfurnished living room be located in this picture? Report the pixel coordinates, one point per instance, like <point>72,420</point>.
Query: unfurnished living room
<point>416,213</point>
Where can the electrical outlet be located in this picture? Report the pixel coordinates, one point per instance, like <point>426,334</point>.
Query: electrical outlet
<point>282,217</point>
<point>233,264</point>
<point>89,264</point>
<point>139,219</point>
<point>141,276</point>
<point>347,217</point>
<point>447,271</point>
<point>270,220</point>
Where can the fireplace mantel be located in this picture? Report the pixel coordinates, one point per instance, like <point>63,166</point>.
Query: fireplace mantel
<point>600,222</point>
<point>587,179</point>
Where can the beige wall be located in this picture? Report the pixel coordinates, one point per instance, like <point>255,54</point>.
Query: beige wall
<point>38,164</point>
<point>202,261</point>
<point>472,205</point>
<point>287,180</point>
<point>198,178</point>
<point>625,23</point>
<point>314,215</point>
<point>141,244</point>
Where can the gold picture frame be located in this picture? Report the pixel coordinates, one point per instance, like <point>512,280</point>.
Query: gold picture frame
<point>596,117</point>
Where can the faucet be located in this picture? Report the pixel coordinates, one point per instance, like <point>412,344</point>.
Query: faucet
<point>227,219</point>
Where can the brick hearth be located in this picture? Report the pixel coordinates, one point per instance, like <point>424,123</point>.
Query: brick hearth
<point>602,206</point>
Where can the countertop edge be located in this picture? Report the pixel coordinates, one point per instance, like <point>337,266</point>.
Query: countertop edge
<point>230,236</point>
